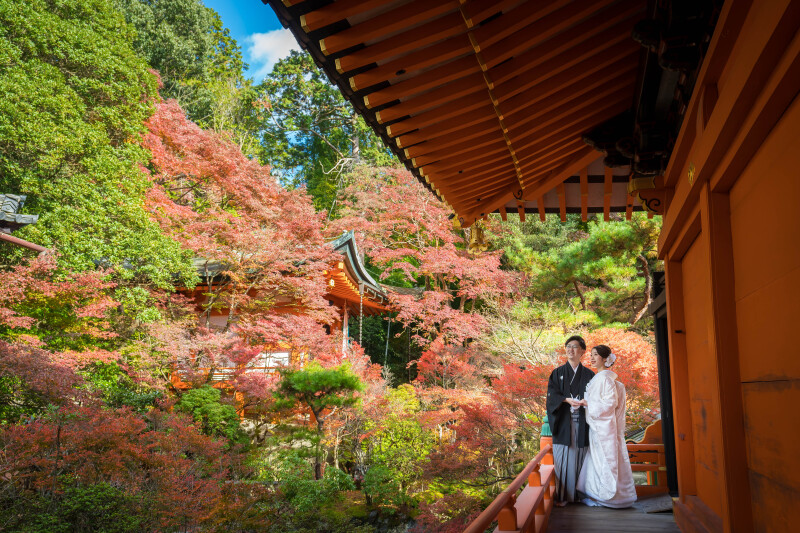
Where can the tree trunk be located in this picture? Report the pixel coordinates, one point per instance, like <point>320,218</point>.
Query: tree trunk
<point>580,294</point>
<point>318,451</point>
<point>648,292</point>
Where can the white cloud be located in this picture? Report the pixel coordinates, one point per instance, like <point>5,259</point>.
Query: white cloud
<point>265,49</point>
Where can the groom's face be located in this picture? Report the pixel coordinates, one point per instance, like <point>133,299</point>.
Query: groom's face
<point>574,352</point>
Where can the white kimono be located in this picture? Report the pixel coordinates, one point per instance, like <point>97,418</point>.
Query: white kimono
<point>606,475</point>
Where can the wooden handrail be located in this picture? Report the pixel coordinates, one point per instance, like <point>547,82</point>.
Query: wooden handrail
<point>23,243</point>
<point>645,458</point>
<point>506,499</point>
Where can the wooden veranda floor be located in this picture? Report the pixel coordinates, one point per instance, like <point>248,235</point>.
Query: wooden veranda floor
<point>577,517</point>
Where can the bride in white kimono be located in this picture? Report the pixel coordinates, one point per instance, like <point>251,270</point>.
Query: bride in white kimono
<point>606,477</point>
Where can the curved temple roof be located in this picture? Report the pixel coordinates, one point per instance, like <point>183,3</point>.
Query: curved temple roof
<point>10,220</point>
<point>488,102</point>
<point>350,276</point>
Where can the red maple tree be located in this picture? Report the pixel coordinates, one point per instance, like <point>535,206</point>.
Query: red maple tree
<point>259,248</point>
<point>405,231</point>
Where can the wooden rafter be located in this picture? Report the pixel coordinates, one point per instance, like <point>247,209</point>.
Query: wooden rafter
<point>483,100</point>
<point>562,202</point>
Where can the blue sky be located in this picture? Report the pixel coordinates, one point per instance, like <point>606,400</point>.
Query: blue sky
<point>257,30</point>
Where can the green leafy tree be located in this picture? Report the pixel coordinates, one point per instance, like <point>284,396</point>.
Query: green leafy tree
<point>399,448</point>
<point>597,272</point>
<point>200,64</point>
<point>100,507</point>
<point>215,417</point>
<point>381,488</point>
<point>74,99</point>
<point>118,389</point>
<point>313,136</point>
<point>321,390</point>
<point>175,37</point>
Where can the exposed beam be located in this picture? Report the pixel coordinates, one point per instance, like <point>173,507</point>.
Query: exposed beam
<point>591,95</point>
<point>336,11</point>
<point>570,168</point>
<point>533,151</point>
<point>562,201</point>
<point>584,193</point>
<point>571,127</point>
<point>477,176</point>
<point>475,134</point>
<point>546,164</point>
<point>559,82</point>
<point>403,17</point>
<point>579,74</point>
<point>458,107</point>
<point>516,19</point>
<point>423,35</point>
<point>410,64</point>
<point>479,119</point>
<point>556,176</point>
<point>604,53</point>
<point>520,210</point>
<point>489,83</point>
<point>540,205</point>
<point>441,53</point>
<point>454,70</point>
<point>496,153</point>
<point>401,43</point>
<point>473,189</point>
<point>484,145</point>
<point>542,51</point>
<point>474,195</point>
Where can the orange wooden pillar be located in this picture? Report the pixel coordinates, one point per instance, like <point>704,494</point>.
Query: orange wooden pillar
<point>731,246</point>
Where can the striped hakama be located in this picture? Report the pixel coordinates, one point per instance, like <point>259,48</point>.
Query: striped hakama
<point>568,461</point>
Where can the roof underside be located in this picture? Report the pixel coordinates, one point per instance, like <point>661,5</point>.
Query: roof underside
<point>349,280</point>
<point>486,101</point>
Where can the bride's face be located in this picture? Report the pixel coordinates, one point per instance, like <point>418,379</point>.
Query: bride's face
<point>597,361</point>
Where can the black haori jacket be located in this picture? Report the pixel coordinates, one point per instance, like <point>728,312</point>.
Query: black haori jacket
<point>558,414</point>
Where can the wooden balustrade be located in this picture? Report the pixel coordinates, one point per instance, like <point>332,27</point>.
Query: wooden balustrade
<point>528,511</point>
<point>649,458</point>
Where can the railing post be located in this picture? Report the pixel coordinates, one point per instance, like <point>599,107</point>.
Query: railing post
<point>535,478</point>
<point>548,458</point>
<point>547,494</point>
<point>507,517</point>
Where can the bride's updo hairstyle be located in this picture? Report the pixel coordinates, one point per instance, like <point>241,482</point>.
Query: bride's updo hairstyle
<point>605,352</point>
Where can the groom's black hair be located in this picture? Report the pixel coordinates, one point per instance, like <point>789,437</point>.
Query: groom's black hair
<point>576,338</point>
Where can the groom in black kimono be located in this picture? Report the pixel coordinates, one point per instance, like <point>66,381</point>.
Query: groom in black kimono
<point>568,419</point>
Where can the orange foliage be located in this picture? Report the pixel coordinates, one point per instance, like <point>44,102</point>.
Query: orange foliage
<point>637,369</point>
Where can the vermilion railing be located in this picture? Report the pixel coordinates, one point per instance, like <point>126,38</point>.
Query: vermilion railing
<point>528,511</point>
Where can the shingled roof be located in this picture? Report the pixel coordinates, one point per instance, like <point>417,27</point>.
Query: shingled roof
<point>10,219</point>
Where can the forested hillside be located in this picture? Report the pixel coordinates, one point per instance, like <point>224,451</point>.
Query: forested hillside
<point>171,189</point>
